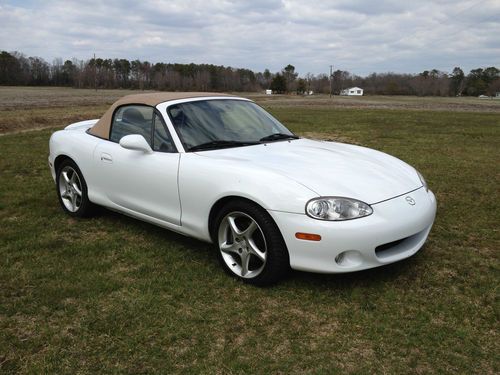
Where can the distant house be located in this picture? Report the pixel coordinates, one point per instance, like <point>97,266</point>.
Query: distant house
<point>269,92</point>
<point>352,91</point>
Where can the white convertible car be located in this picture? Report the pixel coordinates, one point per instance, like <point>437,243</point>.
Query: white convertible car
<point>221,169</point>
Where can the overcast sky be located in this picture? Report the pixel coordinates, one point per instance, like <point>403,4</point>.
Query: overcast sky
<point>361,36</point>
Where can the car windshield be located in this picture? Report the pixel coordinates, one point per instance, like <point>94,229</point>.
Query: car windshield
<point>219,123</point>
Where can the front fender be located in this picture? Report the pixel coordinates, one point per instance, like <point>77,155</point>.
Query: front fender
<point>218,179</point>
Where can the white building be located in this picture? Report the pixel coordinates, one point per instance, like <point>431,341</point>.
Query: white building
<point>352,91</point>
<point>269,92</point>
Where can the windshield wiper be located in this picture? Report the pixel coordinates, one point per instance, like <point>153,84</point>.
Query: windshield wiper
<point>278,136</point>
<point>220,144</point>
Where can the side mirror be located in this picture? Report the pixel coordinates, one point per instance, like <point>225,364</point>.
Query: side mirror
<point>135,142</point>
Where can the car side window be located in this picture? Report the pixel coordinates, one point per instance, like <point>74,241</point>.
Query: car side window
<point>162,141</point>
<point>132,119</point>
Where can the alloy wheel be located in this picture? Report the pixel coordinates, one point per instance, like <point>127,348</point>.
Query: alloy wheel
<point>242,245</point>
<point>70,189</point>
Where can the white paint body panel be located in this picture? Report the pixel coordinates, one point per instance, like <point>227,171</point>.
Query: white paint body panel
<point>327,168</point>
<point>140,182</point>
<point>178,190</point>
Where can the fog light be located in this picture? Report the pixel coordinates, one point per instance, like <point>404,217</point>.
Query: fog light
<point>340,258</point>
<point>349,259</point>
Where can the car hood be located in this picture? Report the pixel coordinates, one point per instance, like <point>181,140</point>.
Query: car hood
<point>329,168</point>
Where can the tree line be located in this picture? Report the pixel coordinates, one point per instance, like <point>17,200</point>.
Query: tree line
<point>18,69</point>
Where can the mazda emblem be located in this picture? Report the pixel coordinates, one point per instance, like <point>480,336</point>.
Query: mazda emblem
<point>410,200</point>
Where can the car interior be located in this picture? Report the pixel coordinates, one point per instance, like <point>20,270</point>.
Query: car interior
<point>138,120</point>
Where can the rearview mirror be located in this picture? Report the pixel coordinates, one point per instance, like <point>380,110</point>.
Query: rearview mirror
<point>135,142</point>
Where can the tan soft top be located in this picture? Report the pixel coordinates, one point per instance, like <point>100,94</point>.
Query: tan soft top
<point>102,127</point>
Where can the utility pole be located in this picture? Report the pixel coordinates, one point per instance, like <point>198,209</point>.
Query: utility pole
<point>331,80</point>
<point>95,73</point>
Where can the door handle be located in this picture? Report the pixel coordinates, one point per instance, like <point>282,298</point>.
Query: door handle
<point>106,157</point>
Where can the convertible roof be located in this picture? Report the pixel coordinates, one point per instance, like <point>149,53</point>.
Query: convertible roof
<point>102,127</point>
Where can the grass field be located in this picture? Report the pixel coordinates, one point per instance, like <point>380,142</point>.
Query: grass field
<point>112,294</point>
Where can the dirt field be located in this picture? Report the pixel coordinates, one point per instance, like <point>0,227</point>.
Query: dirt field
<point>382,102</point>
<point>25,108</point>
<point>13,98</point>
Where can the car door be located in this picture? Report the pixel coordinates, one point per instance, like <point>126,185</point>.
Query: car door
<point>144,183</point>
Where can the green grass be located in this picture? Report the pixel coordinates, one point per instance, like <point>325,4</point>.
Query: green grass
<point>112,294</point>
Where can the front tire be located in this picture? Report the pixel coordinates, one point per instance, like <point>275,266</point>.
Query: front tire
<point>249,243</point>
<point>72,190</point>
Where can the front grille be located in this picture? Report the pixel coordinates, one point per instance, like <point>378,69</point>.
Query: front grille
<point>395,248</point>
<point>388,246</point>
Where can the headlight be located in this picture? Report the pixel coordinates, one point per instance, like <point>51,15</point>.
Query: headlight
<point>422,180</point>
<point>337,208</point>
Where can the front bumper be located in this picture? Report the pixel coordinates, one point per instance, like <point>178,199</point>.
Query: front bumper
<point>396,230</point>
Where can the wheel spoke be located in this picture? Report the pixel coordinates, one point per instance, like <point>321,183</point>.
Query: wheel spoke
<point>65,176</point>
<point>229,248</point>
<point>77,189</point>
<point>73,201</point>
<point>254,250</point>
<point>247,233</point>
<point>233,227</point>
<point>72,179</point>
<point>65,195</point>
<point>245,260</point>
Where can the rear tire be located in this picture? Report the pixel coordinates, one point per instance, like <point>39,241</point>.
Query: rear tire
<point>249,244</point>
<point>72,190</point>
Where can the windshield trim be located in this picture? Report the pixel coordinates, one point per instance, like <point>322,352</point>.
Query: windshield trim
<point>219,144</point>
